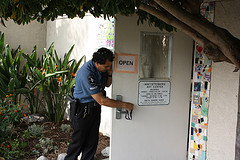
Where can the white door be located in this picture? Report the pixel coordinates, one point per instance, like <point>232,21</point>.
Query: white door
<point>156,132</point>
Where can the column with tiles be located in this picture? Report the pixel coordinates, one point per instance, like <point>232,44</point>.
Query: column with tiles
<point>197,146</point>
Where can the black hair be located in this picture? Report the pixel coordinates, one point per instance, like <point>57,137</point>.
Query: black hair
<point>102,55</point>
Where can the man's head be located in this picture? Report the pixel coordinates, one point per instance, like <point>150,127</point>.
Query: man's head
<point>103,59</point>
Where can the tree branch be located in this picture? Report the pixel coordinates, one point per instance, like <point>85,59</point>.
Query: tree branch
<point>215,54</point>
<point>192,6</point>
<point>171,20</point>
<point>208,30</point>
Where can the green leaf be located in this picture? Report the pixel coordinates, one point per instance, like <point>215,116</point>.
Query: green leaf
<point>37,74</point>
<point>55,73</point>
<point>17,60</point>
<point>25,69</point>
<point>5,66</point>
<point>72,67</point>
<point>57,61</point>
<point>1,44</point>
<point>83,59</point>
<point>30,59</point>
<point>9,59</point>
<point>11,84</point>
<point>66,57</point>
<point>71,84</point>
<point>14,77</point>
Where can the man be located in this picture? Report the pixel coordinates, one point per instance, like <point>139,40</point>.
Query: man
<point>91,80</point>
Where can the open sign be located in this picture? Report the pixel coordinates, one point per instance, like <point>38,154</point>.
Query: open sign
<point>126,63</point>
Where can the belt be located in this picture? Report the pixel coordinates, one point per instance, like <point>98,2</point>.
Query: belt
<point>88,107</point>
<point>89,104</point>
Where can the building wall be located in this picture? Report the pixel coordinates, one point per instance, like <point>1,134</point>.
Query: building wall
<point>156,132</point>
<point>27,35</point>
<point>224,91</point>
<point>66,32</point>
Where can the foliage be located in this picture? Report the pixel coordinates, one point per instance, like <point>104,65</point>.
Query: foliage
<point>10,115</point>
<point>65,127</point>
<point>25,11</point>
<point>47,145</point>
<point>33,97</point>
<point>164,14</point>
<point>36,130</point>
<point>15,79</point>
<point>26,134</point>
<point>12,77</point>
<point>12,149</point>
<point>55,78</point>
<point>46,80</point>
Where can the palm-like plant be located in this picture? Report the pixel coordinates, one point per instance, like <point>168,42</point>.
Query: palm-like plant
<point>55,78</point>
<point>12,77</point>
<point>43,81</point>
<point>34,96</point>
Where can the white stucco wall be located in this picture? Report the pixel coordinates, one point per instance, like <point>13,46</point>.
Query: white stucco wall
<point>27,35</point>
<point>156,132</point>
<point>82,33</point>
<point>66,32</point>
<point>224,91</point>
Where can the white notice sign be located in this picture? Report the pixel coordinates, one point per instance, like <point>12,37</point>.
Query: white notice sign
<point>126,63</point>
<point>153,93</point>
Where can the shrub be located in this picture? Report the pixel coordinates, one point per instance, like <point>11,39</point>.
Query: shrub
<point>65,127</point>
<point>12,149</point>
<point>47,145</point>
<point>12,76</point>
<point>10,115</point>
<point>36,130</point>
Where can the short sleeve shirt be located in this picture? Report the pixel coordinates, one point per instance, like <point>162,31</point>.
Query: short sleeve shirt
<point>89,81</point>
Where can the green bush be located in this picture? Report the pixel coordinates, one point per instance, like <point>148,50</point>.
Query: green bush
<point>47,145</point>
<point>12,149</point>
<point>36,130</point>
<point>10,115</point>
<point>12,76</point>
<point>65,127</point>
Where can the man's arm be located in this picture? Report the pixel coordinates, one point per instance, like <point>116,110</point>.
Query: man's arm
<point>100,99</point>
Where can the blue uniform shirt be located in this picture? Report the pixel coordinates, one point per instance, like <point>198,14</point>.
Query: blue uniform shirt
<point>89,81</point>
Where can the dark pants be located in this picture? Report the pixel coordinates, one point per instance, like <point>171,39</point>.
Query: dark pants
<point>85,135</point>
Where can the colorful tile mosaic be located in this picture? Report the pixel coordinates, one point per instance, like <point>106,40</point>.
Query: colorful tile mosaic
<point>200,97</point>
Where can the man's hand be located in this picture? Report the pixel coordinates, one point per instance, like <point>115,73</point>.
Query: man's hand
<point>100,99</point>
<point>128,106</point>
